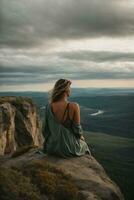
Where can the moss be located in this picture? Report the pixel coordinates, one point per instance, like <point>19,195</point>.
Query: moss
<point>50,180</point>
<point>37,179</point>
<point>13,185</point>
<point>66,190</point>
<point>20,151</point>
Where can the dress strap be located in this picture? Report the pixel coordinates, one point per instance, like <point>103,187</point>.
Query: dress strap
<point>68,117</point>
<point>65,110</point>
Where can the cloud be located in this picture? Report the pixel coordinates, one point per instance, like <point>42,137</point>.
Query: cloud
<point>98,56</point>
<point>26,24</point>
<point>20,67</point>
<point>76,69</point>
<point>44,40</point>
<point>20,79</point>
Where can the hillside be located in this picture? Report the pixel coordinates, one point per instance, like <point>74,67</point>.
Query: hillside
<point>116,154</point>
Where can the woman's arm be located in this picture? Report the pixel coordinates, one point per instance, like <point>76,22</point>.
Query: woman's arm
<point>76,113</point>
<point>77,119</point>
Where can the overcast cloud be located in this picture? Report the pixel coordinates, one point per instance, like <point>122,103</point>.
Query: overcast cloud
<point>38,40</point>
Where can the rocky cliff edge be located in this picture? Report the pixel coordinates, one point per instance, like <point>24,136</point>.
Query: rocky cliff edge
<point>28,173</point>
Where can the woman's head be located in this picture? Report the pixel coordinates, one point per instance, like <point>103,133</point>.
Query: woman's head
<point>61,87</point>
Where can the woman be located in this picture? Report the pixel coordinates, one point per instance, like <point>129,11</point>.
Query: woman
<point>61,128</point>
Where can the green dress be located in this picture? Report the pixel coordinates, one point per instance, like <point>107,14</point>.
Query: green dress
<point>61,141</point>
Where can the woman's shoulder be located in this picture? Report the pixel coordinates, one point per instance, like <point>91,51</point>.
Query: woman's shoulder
<point>74,105</point>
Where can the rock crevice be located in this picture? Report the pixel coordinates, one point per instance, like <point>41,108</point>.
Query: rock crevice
<point>19,124</point>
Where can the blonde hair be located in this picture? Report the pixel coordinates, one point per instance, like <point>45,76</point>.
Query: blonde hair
<point>61,86</point>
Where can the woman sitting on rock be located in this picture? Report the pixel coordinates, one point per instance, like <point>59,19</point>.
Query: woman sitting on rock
<point>62,130</point>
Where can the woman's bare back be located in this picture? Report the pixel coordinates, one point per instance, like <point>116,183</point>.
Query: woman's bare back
<point>58,109</point>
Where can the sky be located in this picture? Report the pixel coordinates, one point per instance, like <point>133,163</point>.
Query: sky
<point>90,42</point>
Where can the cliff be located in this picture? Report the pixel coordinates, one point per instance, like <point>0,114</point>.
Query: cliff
<point>82,178</point>
<point>41,176</point>
<point>19,124</point>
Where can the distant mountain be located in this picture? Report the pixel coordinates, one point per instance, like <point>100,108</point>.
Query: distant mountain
<point>77,92</point>
<point>101,91</point>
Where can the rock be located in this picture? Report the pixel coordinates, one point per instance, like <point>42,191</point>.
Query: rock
<point>19,124</point>
<point>21,142</point>
<point>88,175</point>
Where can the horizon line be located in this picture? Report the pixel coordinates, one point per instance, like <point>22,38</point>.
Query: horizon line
<point>91,88</point>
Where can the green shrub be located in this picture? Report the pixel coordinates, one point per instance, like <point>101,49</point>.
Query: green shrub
<point>50,180</point>
<point>15,186</point>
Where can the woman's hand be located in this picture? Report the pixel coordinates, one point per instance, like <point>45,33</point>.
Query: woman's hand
<point>82,138</point>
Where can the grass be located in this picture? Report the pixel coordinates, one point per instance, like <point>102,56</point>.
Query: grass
<point>116,154</point>
<point>36,180</point>
<point>13,185</point>
<point>50,181</point>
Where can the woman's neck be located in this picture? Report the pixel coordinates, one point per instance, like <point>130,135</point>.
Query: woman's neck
<point>64,99</point>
